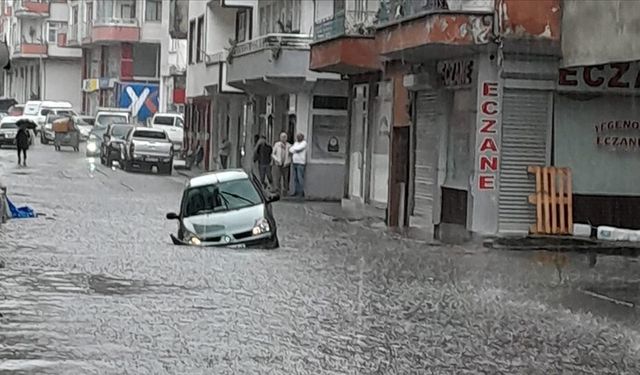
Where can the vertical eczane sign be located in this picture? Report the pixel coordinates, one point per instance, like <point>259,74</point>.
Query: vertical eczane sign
<point>488,135</point>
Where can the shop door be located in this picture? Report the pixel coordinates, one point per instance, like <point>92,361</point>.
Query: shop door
<point>427,140</point>
<point>357,161</point>
<point>526,121</point>
<point>379,179</point>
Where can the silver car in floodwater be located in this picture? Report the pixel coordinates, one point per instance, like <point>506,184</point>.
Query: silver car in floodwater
<point>226,208</point>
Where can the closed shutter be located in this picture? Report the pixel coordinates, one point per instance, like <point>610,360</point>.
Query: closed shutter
<point>525,127</point>
<point>426,157</point>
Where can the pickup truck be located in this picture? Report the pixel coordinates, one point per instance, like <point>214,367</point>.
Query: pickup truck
<point>146,148</point>
<point>107,116</point>
<point>173,124</point>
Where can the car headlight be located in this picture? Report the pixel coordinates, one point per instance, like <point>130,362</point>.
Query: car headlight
<point>92,147</point>
<point>192,239</point>
<point>262,226</point>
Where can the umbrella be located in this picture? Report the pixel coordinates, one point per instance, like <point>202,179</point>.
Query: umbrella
<point>24,123</point>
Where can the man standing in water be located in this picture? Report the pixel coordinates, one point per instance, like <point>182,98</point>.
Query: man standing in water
<point>299,159</point>
<point>281,165</point>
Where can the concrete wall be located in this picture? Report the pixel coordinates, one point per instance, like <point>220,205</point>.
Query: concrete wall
<point>538,19</point>
<point>58,12</point>
<point>62,81</point>
<point>220,27</point>
<point>617,24</point>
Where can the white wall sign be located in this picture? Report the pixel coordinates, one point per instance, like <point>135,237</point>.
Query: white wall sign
<point>614,77</point>
<point>456,73</point>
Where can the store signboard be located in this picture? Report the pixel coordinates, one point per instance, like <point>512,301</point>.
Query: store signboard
<point>621,77</point>
<point>456,74</point>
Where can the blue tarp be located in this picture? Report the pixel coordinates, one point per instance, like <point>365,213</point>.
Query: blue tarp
<point>23,212</point>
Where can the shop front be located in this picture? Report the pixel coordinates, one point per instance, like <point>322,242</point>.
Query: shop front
<point>597,135</point>
<point>197,132</point>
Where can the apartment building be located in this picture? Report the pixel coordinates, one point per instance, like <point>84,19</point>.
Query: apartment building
<point>121,48</point>
<point>263,86</point>
<point>43,66</point>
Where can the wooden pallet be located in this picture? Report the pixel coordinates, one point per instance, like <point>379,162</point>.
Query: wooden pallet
<point>553,199</point>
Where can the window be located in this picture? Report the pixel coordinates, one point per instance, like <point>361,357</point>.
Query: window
<point>88,15</point>
<point>241,26</point>
<point>147,60</point>
<point>192,32</point>
<point>279,16</point>
<point>149,134</point>
<point>53,30</point>
<point>153,10</point>
<point>200,40</point>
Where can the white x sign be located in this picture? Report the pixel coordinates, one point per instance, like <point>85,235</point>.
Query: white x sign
<point>137,102</point>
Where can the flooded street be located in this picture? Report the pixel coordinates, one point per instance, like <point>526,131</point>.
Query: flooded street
<point>94,286</point>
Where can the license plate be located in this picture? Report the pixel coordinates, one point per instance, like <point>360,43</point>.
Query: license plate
<point>237,246</point>
<point>152,159</point>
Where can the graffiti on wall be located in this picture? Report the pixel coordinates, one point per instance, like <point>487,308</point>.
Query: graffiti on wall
<point>140,98</point>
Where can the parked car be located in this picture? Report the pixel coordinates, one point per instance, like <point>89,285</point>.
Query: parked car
<point>94,143</point>
<point>226,208</point>
<point>147,148</point>
<point>107,116</point>
<point>37,111</point>
<point>16,110</point>
<point>113,143</point>
<point>173,124</point>
<point>8,131</point>
<point>91,120</point>
<point>47,135</point>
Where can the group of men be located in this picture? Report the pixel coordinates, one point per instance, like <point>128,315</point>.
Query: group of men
<point>275,163</point>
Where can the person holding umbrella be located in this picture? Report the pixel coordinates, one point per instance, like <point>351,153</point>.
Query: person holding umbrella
<point>23,140</point>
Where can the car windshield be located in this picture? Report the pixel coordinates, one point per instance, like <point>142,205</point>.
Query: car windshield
<point>120,131</point>
<point>8,125</point>
<point>149,134</point>
<point>106,120</point>
<point>225,196</point>
<point>163,120</point>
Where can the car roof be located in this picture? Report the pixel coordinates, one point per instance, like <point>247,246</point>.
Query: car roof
<point>10,119</point>
<point>217,177</point>
<point>149,129</point>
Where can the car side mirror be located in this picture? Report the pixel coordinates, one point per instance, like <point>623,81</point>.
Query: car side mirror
<point>273,198</point>
<point>172,216</point>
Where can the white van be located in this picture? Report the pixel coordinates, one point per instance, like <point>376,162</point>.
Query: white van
<point>37,111</point>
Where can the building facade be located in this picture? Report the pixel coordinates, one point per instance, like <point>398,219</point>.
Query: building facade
<point>43,66</point>
<point>469,87</point>
<point>121,52</point>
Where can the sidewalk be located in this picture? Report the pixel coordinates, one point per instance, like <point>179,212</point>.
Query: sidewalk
<point>564,244</point>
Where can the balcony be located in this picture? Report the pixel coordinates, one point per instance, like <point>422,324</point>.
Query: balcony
<point>417,30</point>
<point>345,43</point>
<point>114,30</point>
<point>32,9</point>
<point>30,50</point>
<point>270,64</point>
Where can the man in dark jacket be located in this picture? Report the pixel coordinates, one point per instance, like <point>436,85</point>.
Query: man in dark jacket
<point>23,139</point>
<point>262,155</point>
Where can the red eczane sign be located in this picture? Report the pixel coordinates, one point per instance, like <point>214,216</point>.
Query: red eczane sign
<point>487,133</point>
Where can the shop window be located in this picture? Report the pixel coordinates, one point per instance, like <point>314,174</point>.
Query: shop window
<point>153,10</point>
<point>329,136</point>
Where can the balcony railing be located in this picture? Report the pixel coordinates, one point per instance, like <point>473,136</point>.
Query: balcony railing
<point>398,10</point>
<point>345,23</point>
<point>272,41</point>
<point>112,21</point>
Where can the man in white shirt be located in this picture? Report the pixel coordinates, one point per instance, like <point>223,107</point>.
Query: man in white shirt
<point>281,165</point>
<point>299,160</point>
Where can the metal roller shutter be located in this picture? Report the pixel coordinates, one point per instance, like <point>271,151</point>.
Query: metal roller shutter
<point>426,157</point>
<point>525,128</point>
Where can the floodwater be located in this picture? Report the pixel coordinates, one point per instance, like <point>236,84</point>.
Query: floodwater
<point>94,286</point>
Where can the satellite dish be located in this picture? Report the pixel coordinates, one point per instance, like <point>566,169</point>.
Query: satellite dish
<point>4,56</point>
